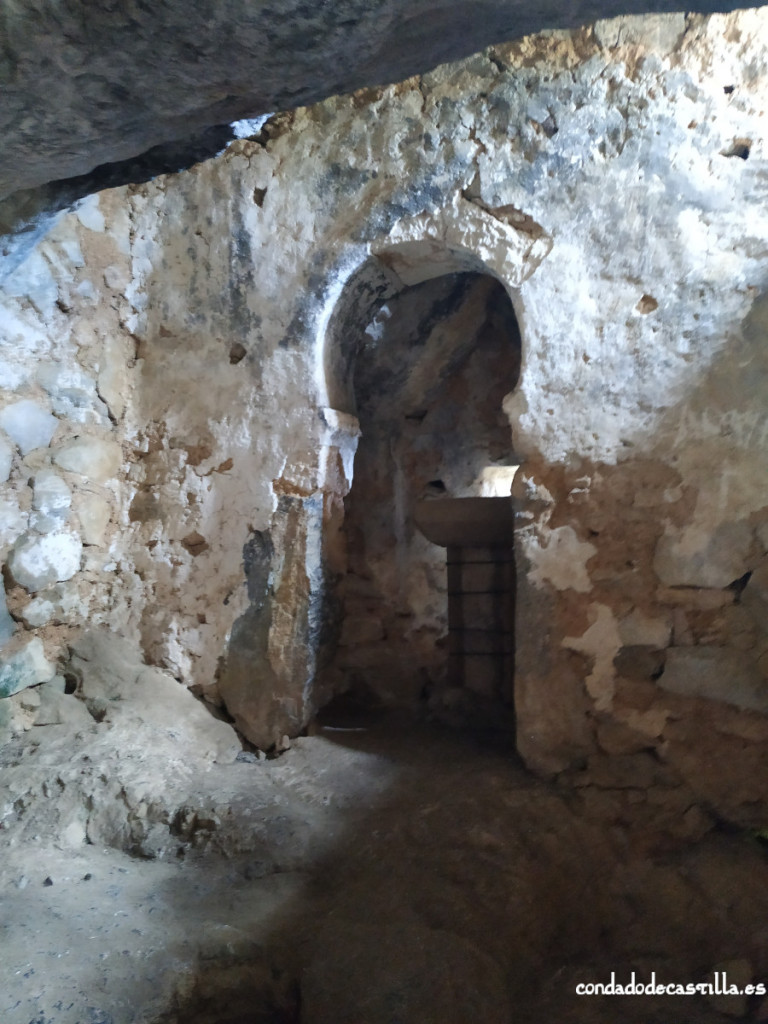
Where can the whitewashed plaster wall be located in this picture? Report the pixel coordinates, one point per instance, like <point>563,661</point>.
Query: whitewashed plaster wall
<point>615,181</point>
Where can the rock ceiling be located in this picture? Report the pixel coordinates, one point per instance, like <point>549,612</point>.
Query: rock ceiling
<point>85,85</point>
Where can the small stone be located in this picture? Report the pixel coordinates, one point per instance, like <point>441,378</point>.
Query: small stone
<point>38,561</point>
<point>73,393</point>
<point>87,876</point>
<point>113,377</point>
<point>23,882</point>
<point>38,612</point>
<point>637,629</point>
<point>41,523</point>
<point>28,425</point>
<point>247,757</point>
<point>26,667</point>
<point>90,457</point>
<point>93,513</point>
<point>50,495</point>
<point>13,522</point>
<point>48,881</point>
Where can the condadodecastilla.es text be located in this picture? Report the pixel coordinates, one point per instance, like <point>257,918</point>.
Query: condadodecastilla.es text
<point>719,986</point>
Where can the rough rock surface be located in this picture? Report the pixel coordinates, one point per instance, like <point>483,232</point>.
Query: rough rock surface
<point>202,328</point>
<point>153,871</point>
<point>84,86</point>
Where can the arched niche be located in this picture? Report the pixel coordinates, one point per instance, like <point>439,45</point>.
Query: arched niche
<point>423,345</point>
<point>385,274</point>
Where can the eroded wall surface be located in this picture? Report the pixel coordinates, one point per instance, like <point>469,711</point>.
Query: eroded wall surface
<point>181,471</point>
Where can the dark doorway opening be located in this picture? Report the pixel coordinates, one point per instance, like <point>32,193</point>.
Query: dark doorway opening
<point>429,368</point>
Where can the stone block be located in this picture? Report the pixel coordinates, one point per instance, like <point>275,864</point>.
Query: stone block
<point>90,457</point>
<point>113,377</point>
<point>51,500</point>
<point>37,561</point>
<point>714,559</point>
<point>653,31</point>
<point>716,673</point>
<point>28,666</point>
<point>28,425</point>
<point>93,515</point>
<point>50,495</point>
<point>637,629</point>
<point>73,393</point>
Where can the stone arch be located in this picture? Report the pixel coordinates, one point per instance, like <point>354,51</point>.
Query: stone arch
<point>463,244</point>
<point>461,237</point>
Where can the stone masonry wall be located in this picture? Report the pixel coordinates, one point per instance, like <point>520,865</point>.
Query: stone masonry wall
<point>182,468</point>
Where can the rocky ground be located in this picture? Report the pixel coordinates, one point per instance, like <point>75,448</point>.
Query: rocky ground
<point>379,871</point>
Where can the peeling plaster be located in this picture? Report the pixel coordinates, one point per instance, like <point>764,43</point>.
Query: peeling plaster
<point>601,642</point>
<point>558,557</point>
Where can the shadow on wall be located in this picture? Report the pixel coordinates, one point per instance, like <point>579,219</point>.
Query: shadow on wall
<point>426,369</point>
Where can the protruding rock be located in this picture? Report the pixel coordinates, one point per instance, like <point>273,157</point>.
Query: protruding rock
<point>91,457</point>
<point>38,612</point>
<point>93,513</point>
<point>28,425</point>
<point>72,393</point>
<point>113,377</point>
<point>51,500</point>
<point>26,667</point>
<point>36,562</point>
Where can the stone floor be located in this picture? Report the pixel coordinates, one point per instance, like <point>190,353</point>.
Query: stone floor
<point>379,871</point>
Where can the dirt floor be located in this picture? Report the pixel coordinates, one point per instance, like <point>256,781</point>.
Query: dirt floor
<point>381,871</point>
